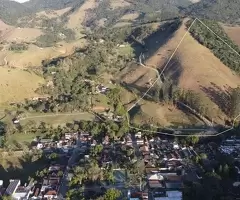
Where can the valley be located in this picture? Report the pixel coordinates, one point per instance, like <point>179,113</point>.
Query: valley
<point>119,99</point>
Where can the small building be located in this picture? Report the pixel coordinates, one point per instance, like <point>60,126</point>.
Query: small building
<point>12,187</point>
<point>21,193</point>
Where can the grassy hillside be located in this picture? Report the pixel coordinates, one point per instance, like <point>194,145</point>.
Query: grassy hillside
<point>233,32</point>
<point>193,68</point>
<point>219,47</point>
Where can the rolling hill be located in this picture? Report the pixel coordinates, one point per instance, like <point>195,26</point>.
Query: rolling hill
<point>193,67</point>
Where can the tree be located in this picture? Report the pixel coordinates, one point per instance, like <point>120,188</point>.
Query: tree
<point>6,197</point>
<point>112,194</point>
<point>226,170</point>
<point>53,156</point>
<point>79,176</point>
<point>235,102</point>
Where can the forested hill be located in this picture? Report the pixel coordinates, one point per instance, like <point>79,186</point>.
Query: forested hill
<point>220,10</point>
<point>149,9</point>
<point>10,11</point>
<point>39,5</point>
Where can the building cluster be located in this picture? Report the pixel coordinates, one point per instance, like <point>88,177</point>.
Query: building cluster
<point>231,146</point>
<point>164,167</point>
<point>46,187</point>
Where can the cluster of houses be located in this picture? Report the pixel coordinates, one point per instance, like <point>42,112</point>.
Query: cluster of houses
<point>164,167</point>
<point>48,181</point>
<point>46,187</point>
<point>231,146</point>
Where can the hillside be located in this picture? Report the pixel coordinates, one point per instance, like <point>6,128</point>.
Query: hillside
<point>233,32</point>
<point>10,11</point>
<point>220,10</point>
<point>193,67</point>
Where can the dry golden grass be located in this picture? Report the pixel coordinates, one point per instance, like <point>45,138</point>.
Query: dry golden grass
<point>114,4</point>
<point>194,67</point>
<point>22,35</point>
<point>121,24</point>
<point>35,55</point>
<point>130,16</point>
<point>76,19</point>
<point>16,85</point>
<point>53,13</point>
<point>233,32</point>
<point>4,27</point>
<point>151,112</point>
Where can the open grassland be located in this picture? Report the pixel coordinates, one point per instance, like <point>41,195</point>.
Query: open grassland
<point>22,35</point>
<point>16,85</point>
<point>114,4</point>
<point>15,34</point>
<point>193,67</point>
<point>76,18</point>
<point>58,118</point>
<point>234,33</point>
<point>164,115</point>
<point>35,55</point>
<point>52,13</point>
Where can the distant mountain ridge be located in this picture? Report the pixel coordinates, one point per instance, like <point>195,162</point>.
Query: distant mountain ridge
<point>220,10</point>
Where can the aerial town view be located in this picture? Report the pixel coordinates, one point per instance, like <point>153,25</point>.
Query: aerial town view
<point>119,100</point>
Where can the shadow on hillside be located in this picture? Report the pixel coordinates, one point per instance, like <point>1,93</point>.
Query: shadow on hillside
<point>23,171</point>
<point>219,96</point>
<point>157,39</point>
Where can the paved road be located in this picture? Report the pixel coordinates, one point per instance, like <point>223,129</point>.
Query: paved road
<point>136,147</point>
<point>64,184</point>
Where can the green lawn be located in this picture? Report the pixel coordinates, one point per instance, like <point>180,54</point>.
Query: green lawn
<point>21,138</point>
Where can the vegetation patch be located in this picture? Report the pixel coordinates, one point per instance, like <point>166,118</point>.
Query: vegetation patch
<point>18,47</point>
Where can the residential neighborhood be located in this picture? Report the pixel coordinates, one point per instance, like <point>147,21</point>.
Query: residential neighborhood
<point>159,166</point>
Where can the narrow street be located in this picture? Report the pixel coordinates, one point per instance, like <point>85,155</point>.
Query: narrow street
<point>64,184</point>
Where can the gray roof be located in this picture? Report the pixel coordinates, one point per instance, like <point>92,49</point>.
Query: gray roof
<point>12,187</point>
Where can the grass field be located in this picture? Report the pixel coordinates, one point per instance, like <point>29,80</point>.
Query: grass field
<point>35,55</point>
<point>57,119</point>
<point>16,85</point>
<point>76,18</point>
<point>53,13</point>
